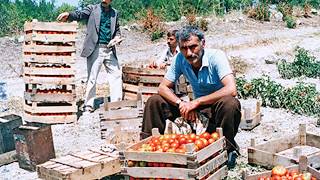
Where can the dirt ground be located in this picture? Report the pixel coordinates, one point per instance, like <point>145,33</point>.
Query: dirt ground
<point>251,41</point>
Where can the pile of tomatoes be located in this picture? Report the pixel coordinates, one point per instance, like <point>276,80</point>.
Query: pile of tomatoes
<point>281,173</point>
<point>176,143</point>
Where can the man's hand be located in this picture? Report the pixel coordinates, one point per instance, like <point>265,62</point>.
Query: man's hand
<point>114,41</point>
<point>63,17</point>
<point>187,110</point>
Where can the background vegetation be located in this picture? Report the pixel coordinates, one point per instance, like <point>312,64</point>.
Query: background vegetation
<point>13,13</point>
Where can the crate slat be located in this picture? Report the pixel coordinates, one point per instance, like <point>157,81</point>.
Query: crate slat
<point>33,58</point>
<point>48,49</point>
<point>45,97</point>
<point>219,174</point>
<point>140,88</point>
<point>51,119</point>
<point>220,144</point>
<point>50,38</point>
<point>51,109</point>
<point>51,26</point>
<point>49,71</point>
<point>143,71</point>
<point>49,80</point>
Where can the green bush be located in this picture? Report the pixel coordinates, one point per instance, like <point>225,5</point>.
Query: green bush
<point>291,22</point>
<point>303,65</point>
<point>302,98</point>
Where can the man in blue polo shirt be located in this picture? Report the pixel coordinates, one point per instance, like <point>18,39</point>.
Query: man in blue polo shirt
<point>213,84</point>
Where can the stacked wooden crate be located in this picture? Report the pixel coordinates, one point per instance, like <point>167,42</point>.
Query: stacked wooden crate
<point>140,79</point>
<point>49,72</point>
<point>251,118</point>
<point>207,163</point>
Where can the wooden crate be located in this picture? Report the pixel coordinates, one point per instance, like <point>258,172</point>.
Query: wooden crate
<point>49,60</point>
<point>305,165</point>
<point>34,145</point>
<point>122,120</point>
<point>208,162</point>
<point>250,119</point>
<point>138,79</point>
<point>285,151</point>
<point>91,164</point>
<point>50,113</point>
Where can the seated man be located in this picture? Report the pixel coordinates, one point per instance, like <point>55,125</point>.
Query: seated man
<point>169,53</point>
<point>213,84</point>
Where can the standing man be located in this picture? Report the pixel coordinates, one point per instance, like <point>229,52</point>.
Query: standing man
<point>213,84</point>
<point>103,33</point>
<point>169,53</point>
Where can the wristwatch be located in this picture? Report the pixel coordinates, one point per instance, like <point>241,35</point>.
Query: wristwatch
<point>178,102</point>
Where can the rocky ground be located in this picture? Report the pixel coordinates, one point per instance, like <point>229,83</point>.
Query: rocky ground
<point>250,41</point>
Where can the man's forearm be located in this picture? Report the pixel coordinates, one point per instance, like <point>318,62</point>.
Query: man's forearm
<point>168,94</point>
<point>214,97</point>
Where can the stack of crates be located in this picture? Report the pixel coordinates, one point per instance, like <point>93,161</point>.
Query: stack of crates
<point>49,72</point>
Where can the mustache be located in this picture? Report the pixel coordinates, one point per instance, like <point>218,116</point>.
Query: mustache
<point>193,56</point>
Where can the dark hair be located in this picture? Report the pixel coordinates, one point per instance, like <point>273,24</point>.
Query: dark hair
<point>185,33</point>
<point>172,33</point>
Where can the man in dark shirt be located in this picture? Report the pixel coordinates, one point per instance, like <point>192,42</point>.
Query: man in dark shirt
<point>103,33</point>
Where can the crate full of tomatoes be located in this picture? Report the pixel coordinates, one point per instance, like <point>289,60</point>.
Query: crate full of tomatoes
<point>177,156</point>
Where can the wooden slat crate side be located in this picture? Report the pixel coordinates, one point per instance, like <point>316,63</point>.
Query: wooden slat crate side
<point>211,165</point>
<point>51,109</point>
<point>49,80</point>
<point>219,174</point>
<point>51,26</point>
<point>33,71</point>
<point>50,38</point>
<point>50,119</point>
<point>48,49</point>
<point>45,97</point>
<point>156,172</point>
<point>33,58</point>
<point>314,159</point>
<point>121,114</point>
<point>122,104</point>
<point>208,151</point>
<point>143,71</point>
<point>135,79</point>
<point>280,144</point>
<point>267,159</point>
<point>140,88</point>
<point>313,140</point>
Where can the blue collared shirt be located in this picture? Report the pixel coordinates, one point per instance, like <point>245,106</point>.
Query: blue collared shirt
<point>215,67</point>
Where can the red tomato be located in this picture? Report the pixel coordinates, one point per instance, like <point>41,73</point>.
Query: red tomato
<point>174,145</point>
<point>192,136</point>
<point>190,141</point>
<point>211,140</point>
<point>171,150</point>
<point>179,150</point>
<point>278,170</point>
<point>261,178</point>
<point>276,177</point>
<point>205,142</point>
<point>206,135</point>
<point>182,140</point>
<point>215,136</point>
<point>199,143</point>
<point>174,136</point>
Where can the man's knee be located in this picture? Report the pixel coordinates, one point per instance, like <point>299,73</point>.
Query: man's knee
<point>154,99</point>
<point>230,102</point>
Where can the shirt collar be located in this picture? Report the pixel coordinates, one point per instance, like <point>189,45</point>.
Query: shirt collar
<point>205,60</point>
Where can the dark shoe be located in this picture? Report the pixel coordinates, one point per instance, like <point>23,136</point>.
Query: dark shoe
<point>88,110</point>
<point>232,159</point>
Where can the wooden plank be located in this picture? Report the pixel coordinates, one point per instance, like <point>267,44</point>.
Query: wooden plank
<point>208,151</point>
<point>177,158</point>
<point>314,160</point>
<point>280,144</point>
<point>143,71</point>
<point>48,49</point>
<point>8,157</point>
<point>132,78</point>
<point>49,80</point>
<point>49,38</point>
<point>156,172</point>
<point>211,165</point>
<point>51,26</point>
<point>121,104</point>
<point>33,58</point>
<point>139,88</point>
<point>267,159</point>
<point>121,114</point>
<point>45,97</point>
<point>50,119</point>
<point>49,71</point>
<point>219,174</point>
<point>51,109</point>
<point>297,151</point>
<point>313,140</point>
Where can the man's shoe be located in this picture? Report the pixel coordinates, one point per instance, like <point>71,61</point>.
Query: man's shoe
<point>232,159</point>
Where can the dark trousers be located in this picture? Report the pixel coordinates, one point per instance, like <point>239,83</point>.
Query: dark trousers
<point>225,113</point>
